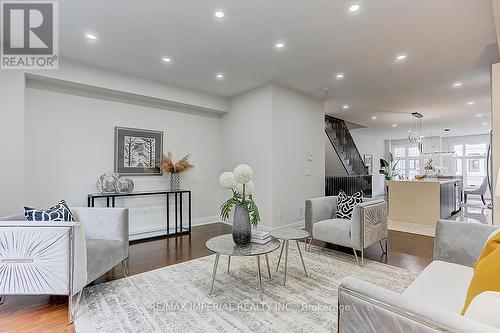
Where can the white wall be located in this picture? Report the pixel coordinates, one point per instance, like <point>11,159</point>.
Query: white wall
<point>298,129</point>
<point>102,78</point>
<point>272,129</point>
<point>247,138</point>
<point>11,138</point>
<point>367,144</point>
<point>69,142</point>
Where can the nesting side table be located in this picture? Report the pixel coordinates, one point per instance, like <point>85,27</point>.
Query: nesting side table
<point>287,235</point>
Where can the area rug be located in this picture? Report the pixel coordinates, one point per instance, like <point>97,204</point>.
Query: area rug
<point>175,298</point>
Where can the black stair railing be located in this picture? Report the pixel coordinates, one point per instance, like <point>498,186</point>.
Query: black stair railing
<point>344,145</point>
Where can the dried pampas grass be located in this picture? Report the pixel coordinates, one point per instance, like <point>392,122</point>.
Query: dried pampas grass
<point>167,165</point>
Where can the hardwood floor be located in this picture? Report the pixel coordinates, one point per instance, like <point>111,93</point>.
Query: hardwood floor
<point>49,313</point>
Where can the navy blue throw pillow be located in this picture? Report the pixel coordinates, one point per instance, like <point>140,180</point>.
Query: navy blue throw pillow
<point>59,212</point>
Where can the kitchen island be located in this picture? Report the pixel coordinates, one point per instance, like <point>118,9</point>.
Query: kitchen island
<point>424,201</point>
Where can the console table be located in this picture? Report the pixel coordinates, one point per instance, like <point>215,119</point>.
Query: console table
<point>177,227</point>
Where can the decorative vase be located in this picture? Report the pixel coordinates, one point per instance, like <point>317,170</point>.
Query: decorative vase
<point>124,185</point>
<point>106,183</point>
<point>242,229</point>
<point>175,181</point>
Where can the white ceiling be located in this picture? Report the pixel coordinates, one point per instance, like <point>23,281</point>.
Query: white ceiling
<point>446,41</point>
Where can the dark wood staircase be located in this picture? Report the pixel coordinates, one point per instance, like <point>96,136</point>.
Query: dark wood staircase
<point>343,144</point>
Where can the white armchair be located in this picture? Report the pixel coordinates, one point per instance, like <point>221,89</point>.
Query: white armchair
<point>367,226</point>
<point>60,258</point>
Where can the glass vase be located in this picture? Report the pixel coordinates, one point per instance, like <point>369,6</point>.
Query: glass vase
<point>242,229</point>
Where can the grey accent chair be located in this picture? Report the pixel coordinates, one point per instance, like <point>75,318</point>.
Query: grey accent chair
<point>367,226</point>
<point>60,258</point>
<point>433,301</point>
<point>481,191</point>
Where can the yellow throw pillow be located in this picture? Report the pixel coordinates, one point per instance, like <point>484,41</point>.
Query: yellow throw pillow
<point>486,271</point>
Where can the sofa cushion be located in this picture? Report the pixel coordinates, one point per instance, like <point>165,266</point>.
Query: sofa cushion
<point>484,308</point>
<point>442,284</point>
<point>335,231</point>
<point>486,271</point>
<point>102,255</point>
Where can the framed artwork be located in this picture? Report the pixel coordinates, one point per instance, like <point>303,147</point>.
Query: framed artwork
<point>137,151</point>
<point>368,159</point>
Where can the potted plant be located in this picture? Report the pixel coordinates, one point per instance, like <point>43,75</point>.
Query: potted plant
<point>388,168</point>
<point>246,212</point>
<point>166,165</point>
<point>429,168</point>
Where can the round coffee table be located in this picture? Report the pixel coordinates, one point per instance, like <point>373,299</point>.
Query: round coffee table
<point>287,235</point>
<point>225,245</point>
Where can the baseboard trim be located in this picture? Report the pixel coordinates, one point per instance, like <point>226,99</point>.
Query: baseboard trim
<point>206,220</point>
<point>295,225</point>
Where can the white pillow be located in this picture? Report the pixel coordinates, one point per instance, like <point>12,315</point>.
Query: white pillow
<point>484,308</point>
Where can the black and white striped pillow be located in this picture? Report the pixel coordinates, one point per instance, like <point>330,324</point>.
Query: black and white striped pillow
<point>59,212</point>
<point>346,203</point>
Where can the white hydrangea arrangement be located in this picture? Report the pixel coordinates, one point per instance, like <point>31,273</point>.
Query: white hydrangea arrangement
<point>240,183</point>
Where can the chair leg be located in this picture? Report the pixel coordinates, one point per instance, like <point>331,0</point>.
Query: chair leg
<point>355,255</point>
<point>384,251</point>
<point>310,243</point>
<point>70,309</point>
<point>73,307</point>
<point>2,299</point>
<point>482,198</point>
<point>125,267</point>
<point>465,198</point>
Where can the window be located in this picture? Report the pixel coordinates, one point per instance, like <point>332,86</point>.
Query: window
<point>476,150</point>
<point>409,161</point>
<point>413,168</point>
<point>470,162</point>
<point>459,150</point>
<point>399,152</point>
<point>473,166</point>
<point>413,151</point>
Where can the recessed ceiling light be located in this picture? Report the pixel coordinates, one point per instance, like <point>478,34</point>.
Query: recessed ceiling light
<point>394,125</point>
<point>354,8</point>
<point>219,76</point>
<point>470,103</point>
<point>374,117</point>
<point>457,84</point>
<point>484,124</point>
<point>479,115</point>
<point>279,45</point>
<point>219,14</point>
<point>91,36</point>
<point>166,59</point>
<point>345,106</point>
<point>401,57</point>
<point>339,76</point>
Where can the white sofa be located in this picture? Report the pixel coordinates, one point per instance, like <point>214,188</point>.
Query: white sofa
<point>434,300</point>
